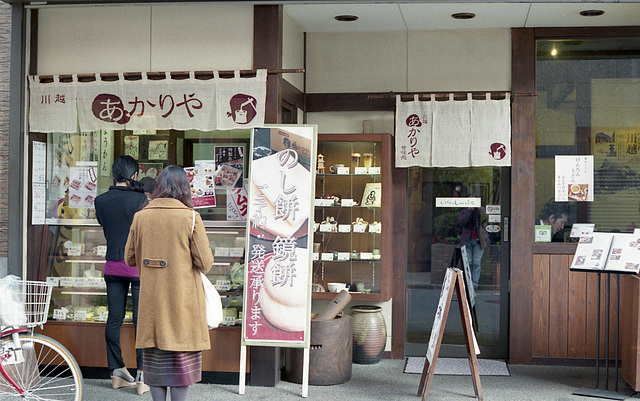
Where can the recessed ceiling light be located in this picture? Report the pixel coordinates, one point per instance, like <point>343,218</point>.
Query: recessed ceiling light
<point>346,18</point>
<point>554,52</point>
<point>463,15</point>
<point>591,13</point>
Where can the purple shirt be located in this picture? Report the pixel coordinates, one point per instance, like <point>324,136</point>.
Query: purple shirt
<point>120,269</point>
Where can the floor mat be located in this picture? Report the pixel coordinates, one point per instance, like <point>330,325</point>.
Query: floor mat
<point>458,366</point>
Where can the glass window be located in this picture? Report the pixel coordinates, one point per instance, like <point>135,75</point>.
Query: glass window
<point>589,104</point>
<point>78,165</point>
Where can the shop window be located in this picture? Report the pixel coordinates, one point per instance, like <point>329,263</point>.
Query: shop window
<point>78,165</point>
<point>588,103</point>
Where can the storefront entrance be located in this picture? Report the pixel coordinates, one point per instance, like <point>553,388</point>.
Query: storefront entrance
<point>434,233</point>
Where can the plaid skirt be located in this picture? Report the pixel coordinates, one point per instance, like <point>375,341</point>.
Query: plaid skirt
<point>171,368</point>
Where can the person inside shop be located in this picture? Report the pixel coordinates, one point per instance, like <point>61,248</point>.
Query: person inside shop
<point>114,211</point>
<point>474,237</point>
<point>149,185</point>
<point>556,215</point>
<point>172,322</point>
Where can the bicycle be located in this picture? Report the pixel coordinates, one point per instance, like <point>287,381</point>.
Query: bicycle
<point>34,366</point>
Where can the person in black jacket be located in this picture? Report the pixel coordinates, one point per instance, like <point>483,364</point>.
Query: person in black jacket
<point>114,211</point>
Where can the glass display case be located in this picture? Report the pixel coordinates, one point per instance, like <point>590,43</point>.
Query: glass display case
<point>352,222</point>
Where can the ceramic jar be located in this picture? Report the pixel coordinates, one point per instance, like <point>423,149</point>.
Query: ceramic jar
<point>369,334</point>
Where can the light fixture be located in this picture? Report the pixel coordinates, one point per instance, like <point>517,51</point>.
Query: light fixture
<point>463,15</point>
<point>591,13</point>
<point>346,18</point>
<point>554,52</point>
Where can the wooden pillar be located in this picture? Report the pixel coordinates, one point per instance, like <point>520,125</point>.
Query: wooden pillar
<point>267,53</point>
<point>523,141</point>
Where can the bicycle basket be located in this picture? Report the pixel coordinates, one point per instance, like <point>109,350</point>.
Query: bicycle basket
<point>27,298</point>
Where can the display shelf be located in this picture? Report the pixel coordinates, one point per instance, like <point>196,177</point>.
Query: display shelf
<point>369,202</point>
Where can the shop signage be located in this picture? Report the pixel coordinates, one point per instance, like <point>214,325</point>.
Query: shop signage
<point>277,301</point>
<point>202,104</point>
<point>453,133</point>
<point>574,178</point>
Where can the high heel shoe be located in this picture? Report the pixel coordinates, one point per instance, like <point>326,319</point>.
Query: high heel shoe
<point>121,378</point>
<point>141,387</point>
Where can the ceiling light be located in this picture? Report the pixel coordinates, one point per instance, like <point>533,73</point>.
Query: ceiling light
<point>346,18</point>
<point>591,13</point>
<point>463,15</point>
<point>554,52</point>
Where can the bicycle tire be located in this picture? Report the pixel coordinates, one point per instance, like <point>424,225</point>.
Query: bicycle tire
<point>48,371</point>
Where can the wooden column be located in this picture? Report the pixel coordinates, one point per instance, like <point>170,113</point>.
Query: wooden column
<point>267,53</point>
<point>522,184</point>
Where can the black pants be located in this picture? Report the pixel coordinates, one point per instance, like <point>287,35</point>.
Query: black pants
<point>117,288</point>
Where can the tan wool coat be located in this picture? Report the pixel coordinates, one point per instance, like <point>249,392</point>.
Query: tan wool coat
<point>171,310</point>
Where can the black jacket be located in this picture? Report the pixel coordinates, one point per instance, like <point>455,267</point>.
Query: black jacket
<point>114,211</point>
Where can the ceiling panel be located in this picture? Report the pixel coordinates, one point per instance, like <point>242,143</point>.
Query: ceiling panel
<point>416,15</point>
<point>488,15</point>
<point>568,14</point>
<point>371,17</point>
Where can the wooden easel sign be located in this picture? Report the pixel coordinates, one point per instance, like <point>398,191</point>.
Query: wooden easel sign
<point>453,280</point>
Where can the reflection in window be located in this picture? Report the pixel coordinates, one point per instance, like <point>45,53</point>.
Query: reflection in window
<point>589,104</point>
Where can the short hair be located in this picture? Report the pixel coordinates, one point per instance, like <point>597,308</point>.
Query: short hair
<point>172,182</point>
<point>149,184</point>
<point>554,208</point>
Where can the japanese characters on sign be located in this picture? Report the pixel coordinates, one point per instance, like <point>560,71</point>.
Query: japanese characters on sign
<point>277,290</point>
<point>168,103</point>
<point>574,178</point>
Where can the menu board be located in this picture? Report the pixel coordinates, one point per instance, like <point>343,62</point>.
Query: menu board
<point>608,253</point>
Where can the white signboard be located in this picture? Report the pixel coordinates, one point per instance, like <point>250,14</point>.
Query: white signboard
<point>458,202</point>
<point>574,178</point>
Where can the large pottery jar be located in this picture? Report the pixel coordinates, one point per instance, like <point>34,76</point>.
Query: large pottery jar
<point>369,334</point>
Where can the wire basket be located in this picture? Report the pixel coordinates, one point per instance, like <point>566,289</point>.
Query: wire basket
<point>25,299</point>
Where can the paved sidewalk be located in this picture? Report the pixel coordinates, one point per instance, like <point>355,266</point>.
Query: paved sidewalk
<point>385,381</point>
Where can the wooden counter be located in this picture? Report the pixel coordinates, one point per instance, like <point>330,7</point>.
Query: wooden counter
<point>629,330</point>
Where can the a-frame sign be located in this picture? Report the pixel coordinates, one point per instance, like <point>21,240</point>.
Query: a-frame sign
<point>453,279</point>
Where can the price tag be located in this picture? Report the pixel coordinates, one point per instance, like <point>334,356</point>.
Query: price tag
<point>375,228</point>
<point>342,170</point>
<point>66,281</point>
<point>80,314</point>
<point>59,314</point>
<point>325,228</point>
<point>344,228</point>
<point>223,285</point>
<point>366,255</point>
<point>74,250</point>
<point>221,251</point>
<point>101,250</point>
<point>236,252</point>
<point>343,255</point>
<point>359,228</point>
<point>229,321</point>
<point>327,256</point>
<point>94,282</point>
<point>316,256</point>
<point>360,170</point>
<point>81,282</point>
<point>55,281</point>
<point>347,202</point>
<point>374,170</point>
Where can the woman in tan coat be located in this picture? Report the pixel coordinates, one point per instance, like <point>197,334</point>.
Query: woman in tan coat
<point>168,244</point>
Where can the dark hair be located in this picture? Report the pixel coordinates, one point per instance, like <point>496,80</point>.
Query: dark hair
<point>554,208</point>
<point>172,182</point>
<point>124,167</point>
<point>148,183</point>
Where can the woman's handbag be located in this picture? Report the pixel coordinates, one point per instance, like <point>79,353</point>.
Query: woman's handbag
<point>213,305</point>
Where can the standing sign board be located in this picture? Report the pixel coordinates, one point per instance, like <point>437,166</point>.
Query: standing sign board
<point>277,299</point>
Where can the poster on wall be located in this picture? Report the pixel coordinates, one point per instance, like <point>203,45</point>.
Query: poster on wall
<point>83,186</point>
<point>229,161</point>
<point>203,193</point>
<point>277,304</point>
<point>574,178</point>
<point>38,186</point>
<point>237,203</point>
<point>159,150</point>
<point>132,146</point>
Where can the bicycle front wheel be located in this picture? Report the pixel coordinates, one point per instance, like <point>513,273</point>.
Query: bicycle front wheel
<point>45,371</point>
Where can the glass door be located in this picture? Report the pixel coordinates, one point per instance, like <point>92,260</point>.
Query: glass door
<point>435,230</point>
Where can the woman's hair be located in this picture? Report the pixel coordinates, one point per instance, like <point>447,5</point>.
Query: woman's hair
<point>124,167</point>
<point>172,182</point>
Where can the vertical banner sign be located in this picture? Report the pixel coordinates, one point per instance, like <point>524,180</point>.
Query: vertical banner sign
<point>574,178</point>
<point>277,301</point>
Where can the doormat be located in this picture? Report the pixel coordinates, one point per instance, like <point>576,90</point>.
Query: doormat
<point>457,366</point>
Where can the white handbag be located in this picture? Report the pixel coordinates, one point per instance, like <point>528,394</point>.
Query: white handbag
<point>213,305</point>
